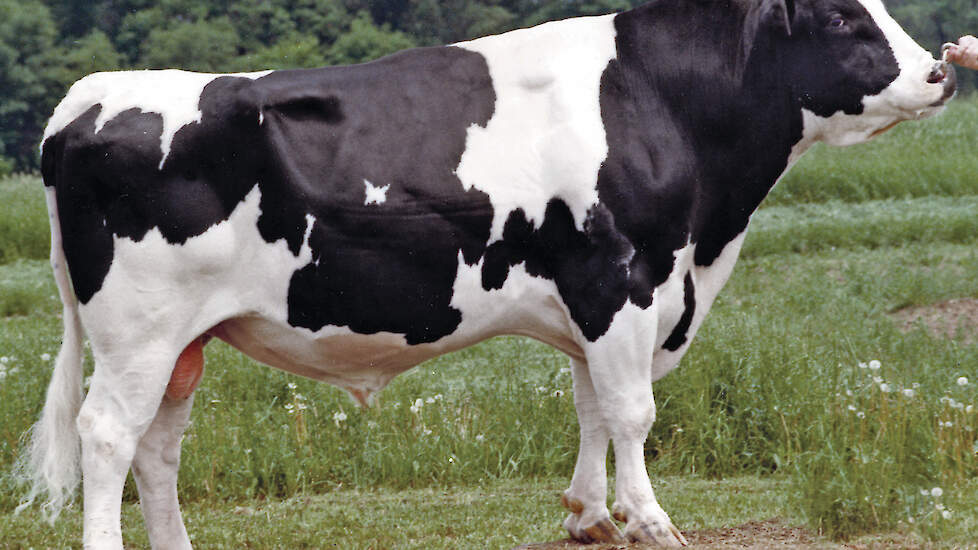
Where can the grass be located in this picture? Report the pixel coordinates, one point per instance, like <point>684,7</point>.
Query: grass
<point>23,219</point>
<point>772,389</point>
<point>497,515</point>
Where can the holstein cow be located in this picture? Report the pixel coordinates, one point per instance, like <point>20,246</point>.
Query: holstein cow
<point>587,183</point>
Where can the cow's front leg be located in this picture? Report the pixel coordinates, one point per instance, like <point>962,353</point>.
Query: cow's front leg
<point>620,365</point>
<point>589,520</point>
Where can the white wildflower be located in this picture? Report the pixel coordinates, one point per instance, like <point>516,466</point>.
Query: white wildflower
<point>480,438</point>
<point>289,407</point>
<point>4,359</point>
<point>852,408</point>
<point>426,431</point>
<point>45,357</point>
<point>849,393</point>
<point>416,408</point>
<point>878,379</point>
<point>962,381</point>
<point>908,392</point>
<point>924,492</point>
<point>292,386</point>
<point>372,424</point>
<point>885,388</point>
<point>557,393</point>
<point>874,365</point>
<point>969,409</point>
<point>451,459</point>
<point>863,365</point>
<point>339,417</point>
<point>860,414</point>
<point>915,385</point>
<point>946,514</point>
<point>430,400</point>
<point>541,389</point>
<point>936,492</point>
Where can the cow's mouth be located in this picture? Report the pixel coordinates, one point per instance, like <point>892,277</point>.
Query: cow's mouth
<point>943,73</point>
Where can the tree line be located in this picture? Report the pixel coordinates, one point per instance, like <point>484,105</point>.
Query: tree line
<point>45,45</point>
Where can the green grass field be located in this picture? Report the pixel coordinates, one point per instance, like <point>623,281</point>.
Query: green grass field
<point>800,397</point>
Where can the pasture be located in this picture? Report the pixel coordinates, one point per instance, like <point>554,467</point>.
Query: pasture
<point>801,397</point>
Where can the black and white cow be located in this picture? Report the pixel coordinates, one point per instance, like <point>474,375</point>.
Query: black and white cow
<point>587,183</point>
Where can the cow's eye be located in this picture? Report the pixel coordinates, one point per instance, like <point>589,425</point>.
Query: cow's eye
<point>837,22</point>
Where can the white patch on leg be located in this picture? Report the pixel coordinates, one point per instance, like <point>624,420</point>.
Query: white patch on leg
<point>374,194</point>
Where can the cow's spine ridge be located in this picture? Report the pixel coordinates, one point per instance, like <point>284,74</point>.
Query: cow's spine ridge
<point>50,460</point>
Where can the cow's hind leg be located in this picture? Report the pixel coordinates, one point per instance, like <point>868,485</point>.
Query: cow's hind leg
<point>126,392</point>
<point>157,460</point>
<point>589,520</point>
<point>155,468</point>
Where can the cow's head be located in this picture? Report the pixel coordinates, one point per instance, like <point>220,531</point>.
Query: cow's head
<point>853,69</point>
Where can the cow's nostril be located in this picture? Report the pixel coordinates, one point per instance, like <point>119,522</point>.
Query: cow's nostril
<point>938,73</point>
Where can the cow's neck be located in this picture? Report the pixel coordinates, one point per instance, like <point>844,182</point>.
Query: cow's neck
<point>698,131</point>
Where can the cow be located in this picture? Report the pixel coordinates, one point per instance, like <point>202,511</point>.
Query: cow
<point>587,183</point>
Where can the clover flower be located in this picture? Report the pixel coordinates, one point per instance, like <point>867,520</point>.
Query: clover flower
<point>962,381</point>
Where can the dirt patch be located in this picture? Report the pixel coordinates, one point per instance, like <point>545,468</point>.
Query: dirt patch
<point>951,319</point>
<point>758,535</point>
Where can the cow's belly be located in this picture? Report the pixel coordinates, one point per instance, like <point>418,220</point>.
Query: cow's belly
<point>363,364</point>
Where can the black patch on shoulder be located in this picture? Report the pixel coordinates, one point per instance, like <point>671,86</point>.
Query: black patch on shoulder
<point>589,267</point>
<point>678,336</point>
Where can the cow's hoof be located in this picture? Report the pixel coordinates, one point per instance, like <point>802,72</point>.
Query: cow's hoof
<point>603,530</point>
<point>660,532</point>
<point>588,529</point>
<point>665,535</point>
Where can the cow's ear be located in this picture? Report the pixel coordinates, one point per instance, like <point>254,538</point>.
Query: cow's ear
<point>777,15</point>
<point>770,17</point>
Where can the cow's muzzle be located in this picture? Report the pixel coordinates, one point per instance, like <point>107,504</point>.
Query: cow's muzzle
<point>943,73</point>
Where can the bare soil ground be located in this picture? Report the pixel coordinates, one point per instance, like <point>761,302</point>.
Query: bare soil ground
<point>951,319</point>
<point>755,535</point>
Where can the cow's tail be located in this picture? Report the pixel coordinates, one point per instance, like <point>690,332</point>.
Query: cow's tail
<point>50,456</point>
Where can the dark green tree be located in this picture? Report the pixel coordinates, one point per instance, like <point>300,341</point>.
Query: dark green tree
<point>207,46</point>
<point>28,86</point>
<point>366,41</point>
